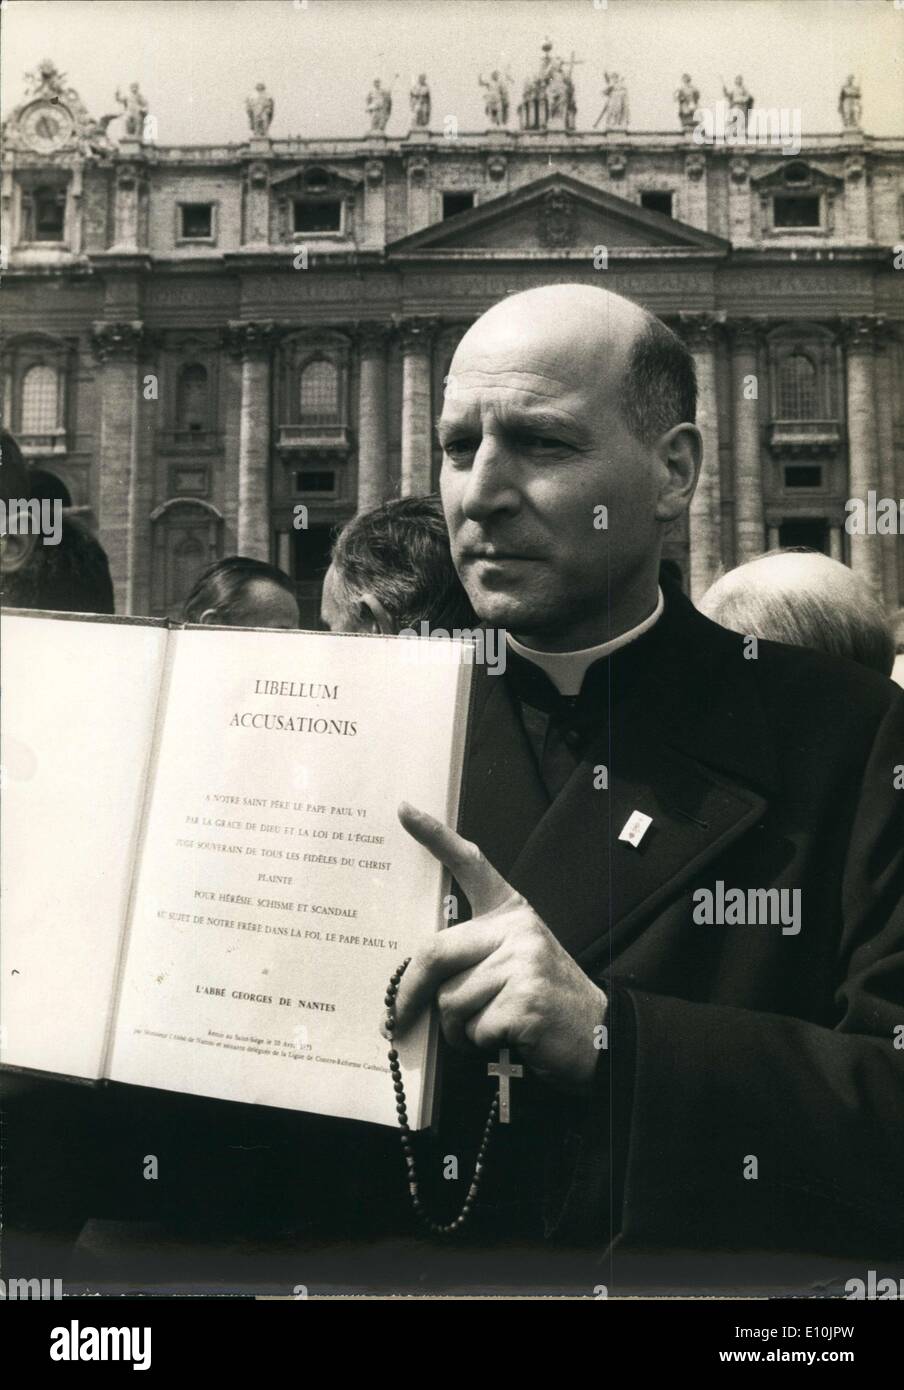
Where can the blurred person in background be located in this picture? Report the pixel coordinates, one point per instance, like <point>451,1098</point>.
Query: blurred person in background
<point>241,592</point>
<point>391,569</point>
<point>17,543</point>
<point>804,599</point>
<point>72,577</point>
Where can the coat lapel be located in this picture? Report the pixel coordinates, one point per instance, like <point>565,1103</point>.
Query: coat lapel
<point>701,769</point>
<point>504,797</point>
<point>594,890</point>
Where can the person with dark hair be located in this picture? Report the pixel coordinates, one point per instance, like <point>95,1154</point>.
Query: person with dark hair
<point>17,540</point>
<point>71,577</point>
<point>659,388</point>
<point>391,569</point>
<point>240,592</point>
<point>801,597</point>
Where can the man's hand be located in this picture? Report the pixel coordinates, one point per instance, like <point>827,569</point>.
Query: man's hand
<point>502,979</point>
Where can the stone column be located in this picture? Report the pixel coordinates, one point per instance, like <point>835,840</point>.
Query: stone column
<point>116,346</point>
<point>373,458</point>
<point>863,443</point>
<point>705,518</point>
<point>417,167</point>
<point>836,543</point>
<point>256,211</point>
<point>416,412</point>
<point>748,509</point>
<point>253,342</point>
<point>284,551</point>
<point>885,438</point>
<point>130,199</point>
<point>374,203</point>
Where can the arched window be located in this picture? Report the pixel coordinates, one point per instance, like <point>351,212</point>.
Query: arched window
<point>189,556</point>
<point>798,394</point>
<point>319,393</point>
<point>192,402</point>
<point>39,401</point>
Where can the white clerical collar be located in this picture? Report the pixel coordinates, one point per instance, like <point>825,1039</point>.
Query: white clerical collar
<point>566,670</point>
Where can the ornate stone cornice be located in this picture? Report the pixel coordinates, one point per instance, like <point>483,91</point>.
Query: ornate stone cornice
<point>250,337</point>
<point>371,337</point>
<point>416,334</point>
<point>257,174</point>
<point>117,340</point>
<point>745,333</point>
<point>699,330</point>
<point>417,167</point>
<point>862,332</point>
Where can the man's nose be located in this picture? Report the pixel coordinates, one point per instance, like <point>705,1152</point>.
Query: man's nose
<point>492,481</point>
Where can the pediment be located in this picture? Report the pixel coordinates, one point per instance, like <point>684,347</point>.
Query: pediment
<point>315,179</point>
<point>562,216</point>
<point>796,175</point>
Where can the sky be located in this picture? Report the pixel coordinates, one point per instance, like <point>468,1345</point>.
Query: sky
<point>197,60</point>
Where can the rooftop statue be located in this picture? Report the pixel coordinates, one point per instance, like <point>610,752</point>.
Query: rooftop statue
<point>379,107</point>
<point>419,100</point>
<point>135,109</point>
<point>260,111</point>
<point>849,104</point>
<point>496,100</point>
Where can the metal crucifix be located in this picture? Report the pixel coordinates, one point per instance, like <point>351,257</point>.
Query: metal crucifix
<point>505,1070</point>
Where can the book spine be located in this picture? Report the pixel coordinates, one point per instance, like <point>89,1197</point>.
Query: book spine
<point>139,839</point>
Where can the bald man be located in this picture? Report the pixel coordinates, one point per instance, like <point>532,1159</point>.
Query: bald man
<point>699,1074</point>
<point>803,597</point>
<point>684,862</point>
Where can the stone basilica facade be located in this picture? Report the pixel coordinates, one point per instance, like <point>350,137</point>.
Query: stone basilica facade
<point>232,348</point>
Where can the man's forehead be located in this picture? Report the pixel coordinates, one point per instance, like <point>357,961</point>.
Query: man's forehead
<point>510,363</point>
<point>524,394</point>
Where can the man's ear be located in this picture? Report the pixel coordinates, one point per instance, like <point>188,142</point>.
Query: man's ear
<point>210,615</point>
<point>680,451</point>
<point>374,615</point>
<point>16,551</point>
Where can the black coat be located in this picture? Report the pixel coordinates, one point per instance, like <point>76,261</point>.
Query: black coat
<point>726,1043</point>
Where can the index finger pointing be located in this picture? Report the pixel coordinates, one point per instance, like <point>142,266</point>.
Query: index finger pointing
<point>447,954</point>
<point>486,889</point>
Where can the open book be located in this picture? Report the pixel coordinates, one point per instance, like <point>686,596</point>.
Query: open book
<point>205,883</point>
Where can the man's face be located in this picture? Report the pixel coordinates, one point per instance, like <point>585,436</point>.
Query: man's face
<point>338,610</point>
<point>264,604</point>
<point>533,446</point>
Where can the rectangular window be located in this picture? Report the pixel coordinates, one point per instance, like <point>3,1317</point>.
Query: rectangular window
<point>49,214</point>
<point>315,481</point>
<point>796,210</point>
<point>812,534</point>
<point>657,202</point>
<point>196,222</point>
<point>322,215</point>
<point>454,203</point>
<point>803,475</point>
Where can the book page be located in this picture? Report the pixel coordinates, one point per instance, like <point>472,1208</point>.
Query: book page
<point>79,703</point>
<point>277,891</point>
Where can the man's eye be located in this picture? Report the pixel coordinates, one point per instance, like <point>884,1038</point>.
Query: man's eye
<point>459,448</point>
<point>542,442</point>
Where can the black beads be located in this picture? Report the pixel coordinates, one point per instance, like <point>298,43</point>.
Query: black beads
<point>437,1228</point>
